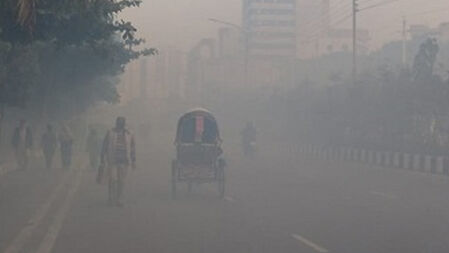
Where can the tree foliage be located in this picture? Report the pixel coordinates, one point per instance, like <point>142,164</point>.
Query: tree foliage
<point>59,56</point>
<point>425,60</point>
<point>390,107</point>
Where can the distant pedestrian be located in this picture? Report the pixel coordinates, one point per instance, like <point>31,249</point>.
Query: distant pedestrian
<point>66,144</point>
<point>93,148</point>
<point>49,144</point>
<point>118,153</point>
<point>22,142</point>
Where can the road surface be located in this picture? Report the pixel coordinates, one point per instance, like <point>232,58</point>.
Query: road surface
<point>273,204</point>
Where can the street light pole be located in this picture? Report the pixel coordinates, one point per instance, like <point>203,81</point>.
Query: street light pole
<point>245,36</point>
<point>354,41</point>
<point>404,43</point>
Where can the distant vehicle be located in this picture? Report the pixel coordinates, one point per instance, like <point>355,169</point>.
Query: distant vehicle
<point>249,149</point>
<point>198,152</point>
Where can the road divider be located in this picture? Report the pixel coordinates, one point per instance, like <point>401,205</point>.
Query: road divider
<point>424,163</point>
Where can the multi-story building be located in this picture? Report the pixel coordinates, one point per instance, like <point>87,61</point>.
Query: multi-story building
<point>317,31</point>
<point>155,77</point>
<point>270,27</point>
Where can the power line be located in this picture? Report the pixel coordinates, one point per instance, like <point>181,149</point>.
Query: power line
<point>367,1</point>
<point>342,18</point>
<point>317,25</point>
<point>343,2</point>
<point>342,6</point>
<point>341,12</point>
<point>333,12</point>
<point>354,40</point>
<point>316,34</point>
<point>344,13</point>
<point>429,12</point>
<point>378,4</point>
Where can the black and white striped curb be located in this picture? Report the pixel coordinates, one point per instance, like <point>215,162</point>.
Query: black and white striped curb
<point>413,162</point>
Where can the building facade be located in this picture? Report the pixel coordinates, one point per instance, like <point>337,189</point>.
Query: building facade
<point>270,27</point>
<point>156,77</point>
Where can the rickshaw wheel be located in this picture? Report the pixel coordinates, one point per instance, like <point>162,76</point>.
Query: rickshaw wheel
<point>174,175</point>
<point>221,181</point>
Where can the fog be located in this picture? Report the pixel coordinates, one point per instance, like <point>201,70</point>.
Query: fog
<point>184,21</point>
<point>181,126</point>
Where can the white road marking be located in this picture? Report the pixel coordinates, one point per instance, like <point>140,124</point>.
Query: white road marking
<point>385,195</point>
<point>19,241</point>
<point>229,199</point>
<point>310,244</point>
<point>49,240</point>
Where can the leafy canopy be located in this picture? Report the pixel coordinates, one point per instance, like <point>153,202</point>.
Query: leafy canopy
<point>60,56</point>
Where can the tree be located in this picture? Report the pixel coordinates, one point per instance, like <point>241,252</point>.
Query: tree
<point>65,55</point>
<point>4,49</point>
<point>425,60</point>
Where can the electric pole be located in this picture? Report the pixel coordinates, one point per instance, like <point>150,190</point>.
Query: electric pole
<point>354,40</point>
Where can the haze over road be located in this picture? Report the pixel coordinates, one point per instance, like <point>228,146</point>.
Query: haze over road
<point>287,95</point>
<point>273,204</point>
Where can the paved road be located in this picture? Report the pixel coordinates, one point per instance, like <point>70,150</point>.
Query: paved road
<point>273,204</point>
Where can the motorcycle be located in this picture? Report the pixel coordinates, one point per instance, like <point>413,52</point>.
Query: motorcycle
<point>249,149</point>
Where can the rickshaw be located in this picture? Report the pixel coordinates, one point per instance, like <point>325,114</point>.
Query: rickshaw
<point>198,152</point>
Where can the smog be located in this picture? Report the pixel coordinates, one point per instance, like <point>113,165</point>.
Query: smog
<point>213,126</point>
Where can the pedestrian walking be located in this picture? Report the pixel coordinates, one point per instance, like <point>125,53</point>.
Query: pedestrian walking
<point>49,144</point>
<point>66,144</point>
<point>22,142</point>
<point>117,155</point>
<point>93,148</point>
